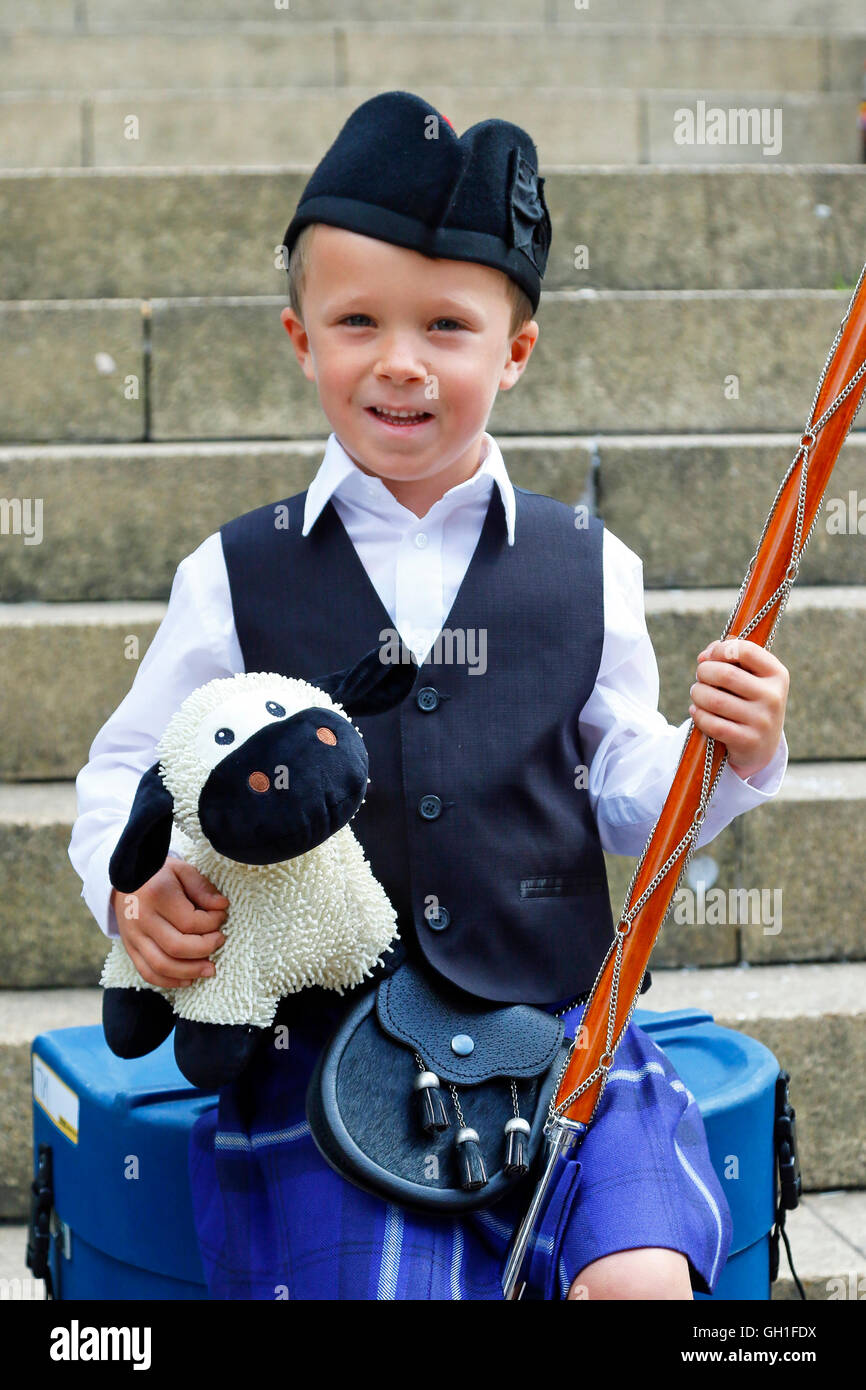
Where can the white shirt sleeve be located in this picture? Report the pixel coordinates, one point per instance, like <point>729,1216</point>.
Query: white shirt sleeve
<point>630,748</point>
<point>195,642</point>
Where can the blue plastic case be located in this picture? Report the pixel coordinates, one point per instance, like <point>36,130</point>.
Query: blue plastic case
<point>119,1135</point>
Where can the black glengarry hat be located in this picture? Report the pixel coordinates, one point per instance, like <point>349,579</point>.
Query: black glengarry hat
<point>399,172</point>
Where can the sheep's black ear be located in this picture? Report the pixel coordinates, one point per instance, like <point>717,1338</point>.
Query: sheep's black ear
<point>372,686</point>
<point>142,848</point>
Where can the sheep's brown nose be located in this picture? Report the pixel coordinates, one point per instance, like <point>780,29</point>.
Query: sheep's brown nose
<point>259,781</point>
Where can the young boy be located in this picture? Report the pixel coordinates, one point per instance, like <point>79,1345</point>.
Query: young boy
<point>416,268</point>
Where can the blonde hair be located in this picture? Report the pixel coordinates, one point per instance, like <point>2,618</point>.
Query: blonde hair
<point>521,307</point>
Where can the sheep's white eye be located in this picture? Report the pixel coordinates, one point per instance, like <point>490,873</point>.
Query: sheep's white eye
<point>227,728</point>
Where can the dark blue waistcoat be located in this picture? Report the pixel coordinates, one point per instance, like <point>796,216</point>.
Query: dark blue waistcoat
<point>472,821</point>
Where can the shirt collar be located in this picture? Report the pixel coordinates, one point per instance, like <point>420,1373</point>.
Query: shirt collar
<point>338,474</point>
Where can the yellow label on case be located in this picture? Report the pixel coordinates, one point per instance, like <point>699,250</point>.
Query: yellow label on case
<point>58,1100</point>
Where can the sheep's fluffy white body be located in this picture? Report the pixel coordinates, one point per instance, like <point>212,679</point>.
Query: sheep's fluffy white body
<point>319,919</point>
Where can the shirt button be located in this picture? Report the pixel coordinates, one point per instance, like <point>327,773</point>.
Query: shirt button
<point>427,697</point>
<point>462,1044</point>
<point>439,920</point>
<point>430,807</point>
<point>421,539</point>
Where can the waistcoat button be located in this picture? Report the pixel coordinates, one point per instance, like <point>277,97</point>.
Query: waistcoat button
<point>438,920</point>
<point>462,1044</point>
<point>430,807</point>
<point>427,697</point>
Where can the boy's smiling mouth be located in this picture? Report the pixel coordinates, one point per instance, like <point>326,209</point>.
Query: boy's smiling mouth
<point>398,419</point>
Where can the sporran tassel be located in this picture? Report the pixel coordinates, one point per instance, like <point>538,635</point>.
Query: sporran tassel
<point>517,1139</point>
<point>430,1107</point>
<point>473,1174</point>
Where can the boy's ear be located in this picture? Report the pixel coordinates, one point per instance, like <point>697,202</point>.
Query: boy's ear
<point>142,848</point>
<point>371,686</point>
<point>300,342</point>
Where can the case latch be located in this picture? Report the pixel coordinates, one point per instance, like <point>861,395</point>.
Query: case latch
<point>39,1227</point>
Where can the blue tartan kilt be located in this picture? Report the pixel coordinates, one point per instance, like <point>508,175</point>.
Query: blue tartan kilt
<point>274,1221</point>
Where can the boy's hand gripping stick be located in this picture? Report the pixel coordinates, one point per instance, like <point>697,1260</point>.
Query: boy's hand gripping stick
<point>760,604</point>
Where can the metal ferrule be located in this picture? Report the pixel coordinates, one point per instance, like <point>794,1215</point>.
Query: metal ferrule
<point>466,1133</point>
<point>425,1079</point>
<point>517,1123</point>
<point>563,1141</point>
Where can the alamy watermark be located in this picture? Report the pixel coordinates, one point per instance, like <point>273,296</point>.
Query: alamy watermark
<point>738,125</point>
<point>738,906</point>
<point>459,646</point>
<point>22,516</point>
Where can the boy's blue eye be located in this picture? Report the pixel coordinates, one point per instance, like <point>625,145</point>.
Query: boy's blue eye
<point>224,736</point>
<point>452,323</point>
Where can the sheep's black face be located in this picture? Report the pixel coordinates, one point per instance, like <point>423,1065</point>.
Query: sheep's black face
<point>285,789</point>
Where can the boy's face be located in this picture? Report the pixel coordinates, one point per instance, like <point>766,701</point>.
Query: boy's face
<point>385,327</point>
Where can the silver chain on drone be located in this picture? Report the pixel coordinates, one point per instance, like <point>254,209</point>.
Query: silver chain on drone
<point>691,836</point>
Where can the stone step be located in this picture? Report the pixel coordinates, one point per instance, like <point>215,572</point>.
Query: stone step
<point>827,1232</point>
<point>692,506</point>
<point>92,16</point>
<point>49,938</point>
<point>66,666</point>
<point>751,894</point>
<point>23,1015</point>
<point>214,232</point>
<point>810,1016</point>
<point>412,54</point>
<point>606,360</point>
<point>593,126</point>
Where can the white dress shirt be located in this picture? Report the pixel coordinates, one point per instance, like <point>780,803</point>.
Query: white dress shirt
<point>416,564</point>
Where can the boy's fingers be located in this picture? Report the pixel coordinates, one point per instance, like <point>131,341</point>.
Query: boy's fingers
<point>732,679</point>
<point>180,945</point>
<point>165,966</point>
<point>147,972</point>
<point>750,655</point>
<point>198,888</point>
<point>185,914</point>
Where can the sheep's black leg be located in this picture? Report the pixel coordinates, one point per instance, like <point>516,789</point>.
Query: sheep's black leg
<point>211,1055</point>
<point>135,1021</point>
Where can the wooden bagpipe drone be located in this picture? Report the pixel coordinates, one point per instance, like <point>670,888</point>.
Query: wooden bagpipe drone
<point>761,601</point>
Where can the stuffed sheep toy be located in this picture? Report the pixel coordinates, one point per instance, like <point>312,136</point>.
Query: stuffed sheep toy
<point>258,777</point>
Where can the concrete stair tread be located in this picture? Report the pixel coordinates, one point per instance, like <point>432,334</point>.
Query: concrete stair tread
<point>37,803</point>
<point>99,15</point>
<point>33,613</point>
<point>734,992</point>
<point>743,993</point>
<point>47,802</point>
<point>29,613</point>
<point>27,1012</point>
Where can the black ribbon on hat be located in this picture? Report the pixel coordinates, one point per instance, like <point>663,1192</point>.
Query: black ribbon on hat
<point>530,220</point>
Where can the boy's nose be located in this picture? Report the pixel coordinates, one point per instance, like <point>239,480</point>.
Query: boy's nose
<point>399,362</point>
